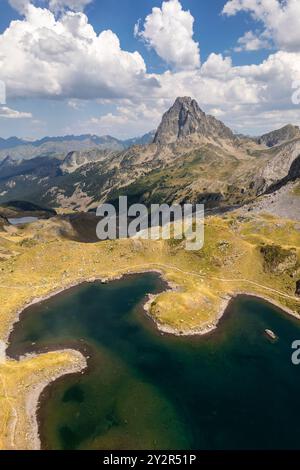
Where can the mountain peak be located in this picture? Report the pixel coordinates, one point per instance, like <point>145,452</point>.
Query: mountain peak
<point>184,100</point>
<point>185,118</point>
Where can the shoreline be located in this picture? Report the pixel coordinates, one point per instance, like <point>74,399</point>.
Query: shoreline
<point>203,330</point>
<point>33,398</point>
<point>210,327</point>
<point>80,363</point>
<point>206,328</point>
<point>103,279</point>
<point>80,360</point>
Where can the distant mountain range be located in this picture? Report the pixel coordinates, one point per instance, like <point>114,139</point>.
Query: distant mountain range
<point>192,157</point>
<point>19,149</point>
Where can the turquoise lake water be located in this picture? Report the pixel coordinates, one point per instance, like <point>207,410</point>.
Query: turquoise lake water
<point>232,389</point>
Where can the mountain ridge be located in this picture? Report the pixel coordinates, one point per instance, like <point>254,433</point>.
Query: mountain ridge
<point>193,158</point>
<point>279,136</point>
<point>59,146</point>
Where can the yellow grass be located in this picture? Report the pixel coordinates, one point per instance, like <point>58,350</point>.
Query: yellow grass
<point>20,384</point>
<point>36,262</point>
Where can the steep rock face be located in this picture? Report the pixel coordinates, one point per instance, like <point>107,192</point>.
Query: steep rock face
<point>280,136</point>
<point>185,118</point>
<point>283,166</point>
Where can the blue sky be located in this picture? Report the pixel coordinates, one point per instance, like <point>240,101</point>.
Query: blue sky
<point>61,78</point>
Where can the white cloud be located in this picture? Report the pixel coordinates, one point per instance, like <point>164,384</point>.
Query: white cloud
<point>250,99</point>
<point>128,120</point>
<point>64,58</point>
<point>280,19</point>
<point>240,94</point>
<point>75,104</point>
<point>74,5</point>
<point>216,65</point>
<point>53,5</point>
<point>169,31</point>
<point>252,42</point>
<point>9,113</point>
<point>19,5</point>
<point>48,57</point>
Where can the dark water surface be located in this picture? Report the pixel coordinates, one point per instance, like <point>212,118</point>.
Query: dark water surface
<point>232,389</point>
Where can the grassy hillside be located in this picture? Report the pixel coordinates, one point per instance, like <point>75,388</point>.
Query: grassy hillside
<point>206,175</point>
<point>191,170</point>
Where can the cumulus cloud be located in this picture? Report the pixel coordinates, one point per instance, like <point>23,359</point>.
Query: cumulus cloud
<point>250,99</point>
<point>128,119</point>
<point>75,104</point>
<point>19,5</point>
<point>74,5</point>
<point>280,19</point>
<point>48,57</point>
<point>9,113</point>
<point>65,58</point>
<point>252,42</point>
<point>169,31</point>
<point>240,94</point>
<point>53,5</point>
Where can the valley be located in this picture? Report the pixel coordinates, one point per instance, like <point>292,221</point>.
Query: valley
<point>198,160</point>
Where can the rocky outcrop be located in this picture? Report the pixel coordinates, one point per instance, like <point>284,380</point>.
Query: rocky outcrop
<point>3,222</point>
<point>298,288</point>
<point>77,159</point>
<point>185,118</point>
<point>280,136</point>
<point>278,260</point>
<point>282,167</point>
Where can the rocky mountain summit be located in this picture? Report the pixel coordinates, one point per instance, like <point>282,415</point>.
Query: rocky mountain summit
<point>185,118</point>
